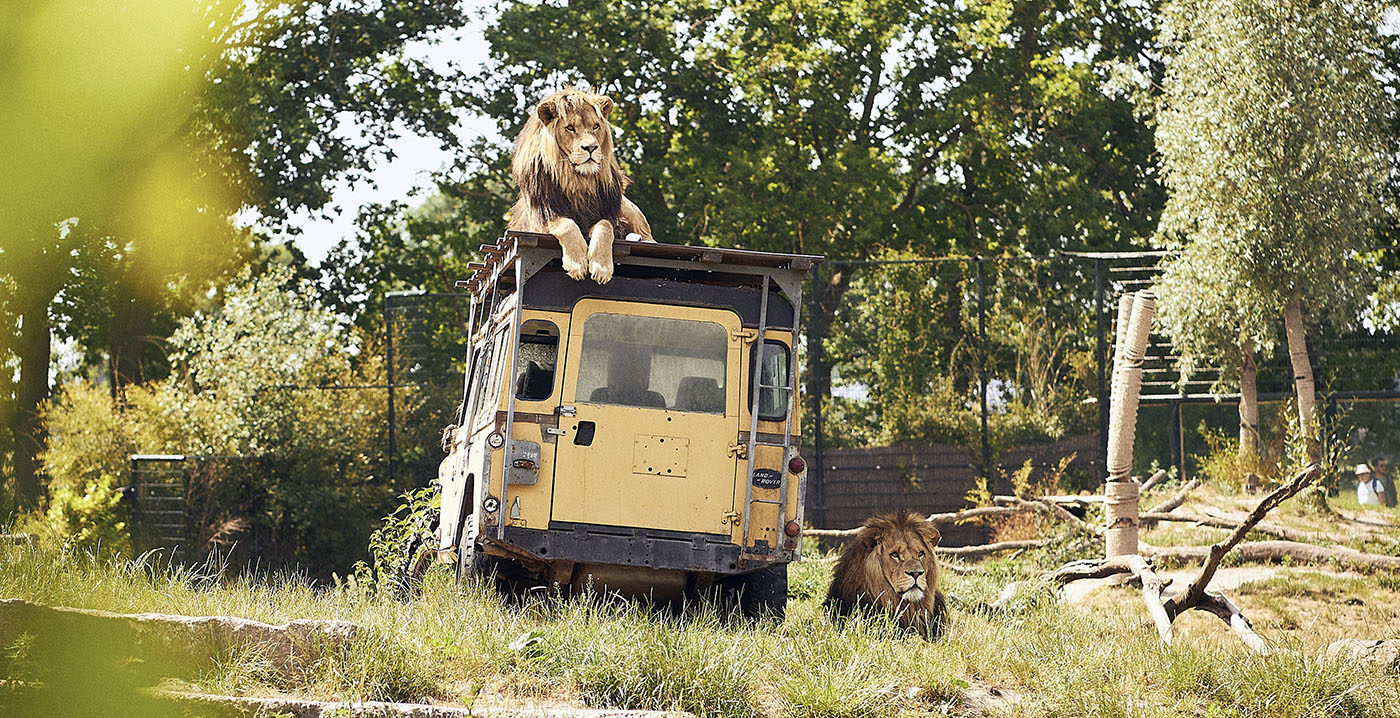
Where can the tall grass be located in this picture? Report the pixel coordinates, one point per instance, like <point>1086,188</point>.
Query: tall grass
<point>1042,658</point>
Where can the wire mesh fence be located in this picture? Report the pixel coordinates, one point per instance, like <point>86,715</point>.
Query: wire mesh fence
<point>425,358</point>
<point>926,376</point>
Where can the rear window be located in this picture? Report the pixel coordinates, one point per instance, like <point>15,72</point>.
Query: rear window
<point>676,364</point>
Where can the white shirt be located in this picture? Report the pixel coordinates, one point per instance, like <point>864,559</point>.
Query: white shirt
<point>1368,493</point>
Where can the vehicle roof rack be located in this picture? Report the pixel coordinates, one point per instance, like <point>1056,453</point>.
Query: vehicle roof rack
<point>506,249</point>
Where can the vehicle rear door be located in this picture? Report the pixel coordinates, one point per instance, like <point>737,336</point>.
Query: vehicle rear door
<point>650,400</point>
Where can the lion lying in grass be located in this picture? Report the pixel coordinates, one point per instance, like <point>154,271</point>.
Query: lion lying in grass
<point>569,181</point>
<point>890,566</point>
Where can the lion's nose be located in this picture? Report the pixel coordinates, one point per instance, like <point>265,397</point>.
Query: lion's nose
<point>915,572</point>
<point>589,148</point>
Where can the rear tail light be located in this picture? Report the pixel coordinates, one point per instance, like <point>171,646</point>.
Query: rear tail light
<point>797,465</point>
<point>792,529</point>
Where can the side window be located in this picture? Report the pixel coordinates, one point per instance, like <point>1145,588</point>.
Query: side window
<point>650,362</point>
<point>488,391</point>
<point>773,368</point>
<point>473,388</point>
<point>535,360</point>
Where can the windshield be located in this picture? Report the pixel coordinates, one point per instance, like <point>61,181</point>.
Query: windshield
<point>676,364</point>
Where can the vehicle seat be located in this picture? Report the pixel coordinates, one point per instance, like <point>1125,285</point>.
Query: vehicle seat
<point>644,398</point>
<point>698,393</point>
<point>535,383</point>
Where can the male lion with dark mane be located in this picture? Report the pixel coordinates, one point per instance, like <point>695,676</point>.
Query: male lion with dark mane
<point>890,566</point>
<point>569,181</point>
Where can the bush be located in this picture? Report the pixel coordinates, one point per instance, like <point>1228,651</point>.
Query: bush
<point>93,518</point>
<point>269,378</point>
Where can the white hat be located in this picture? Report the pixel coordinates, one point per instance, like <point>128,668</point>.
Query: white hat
<point>1362,469</point>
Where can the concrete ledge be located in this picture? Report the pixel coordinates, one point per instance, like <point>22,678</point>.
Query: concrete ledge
<point>239,706</point>
<point>174,640</point>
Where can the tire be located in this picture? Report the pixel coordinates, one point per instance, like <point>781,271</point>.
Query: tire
<point>472,565</point>
<point>762,594</point>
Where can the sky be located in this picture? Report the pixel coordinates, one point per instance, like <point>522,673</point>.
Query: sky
<point>416,158</point>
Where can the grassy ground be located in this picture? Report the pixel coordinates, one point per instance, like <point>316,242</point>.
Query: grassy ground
<point>1044,657</point>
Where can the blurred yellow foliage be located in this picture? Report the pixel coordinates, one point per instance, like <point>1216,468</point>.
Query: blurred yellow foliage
<point>99,96</point>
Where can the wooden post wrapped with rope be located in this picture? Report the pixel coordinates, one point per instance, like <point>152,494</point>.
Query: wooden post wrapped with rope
<point>1135,314</point>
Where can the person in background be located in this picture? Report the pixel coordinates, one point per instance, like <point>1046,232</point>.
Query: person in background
<point>1366,487</point>
<point>1385,486</point>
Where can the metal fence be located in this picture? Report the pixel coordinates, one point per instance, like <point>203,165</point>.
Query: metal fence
<point>924,375</point>
<point>425,360</point>
<point>922,378</point>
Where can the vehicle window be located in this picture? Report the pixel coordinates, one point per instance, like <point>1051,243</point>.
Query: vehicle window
<point>489,391</point>
<point>676,364</point>
<point>535,360</point>
<point>773,367</point>
<point>473,388</point>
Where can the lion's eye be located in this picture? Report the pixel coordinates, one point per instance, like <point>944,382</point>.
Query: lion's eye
<point>895,555</point>
<point>570,128</point>
<point>596,125</point>
<point>921,554</point>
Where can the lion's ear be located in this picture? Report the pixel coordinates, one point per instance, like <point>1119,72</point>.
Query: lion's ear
<point>547,111</point>
<point>604,104</point>
<point>932,536</point>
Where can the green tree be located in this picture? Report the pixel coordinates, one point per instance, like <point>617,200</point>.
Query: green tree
<point>1272,138</point>
<point>849,129</point>
<point>158,124</point>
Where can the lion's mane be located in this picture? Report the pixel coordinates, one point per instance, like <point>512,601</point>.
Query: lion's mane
<point>863,577</point>
<point>549,186</point>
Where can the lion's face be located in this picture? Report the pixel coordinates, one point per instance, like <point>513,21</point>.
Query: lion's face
<point>891,564</point>
<point>903,559</point>
<point>578,123</point>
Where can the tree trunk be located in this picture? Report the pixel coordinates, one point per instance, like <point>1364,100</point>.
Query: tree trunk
<point>1302,377</point>
<point>1249,403</point>
<point>33,350</point>
<point>817,381</point>
<point>127,343</point>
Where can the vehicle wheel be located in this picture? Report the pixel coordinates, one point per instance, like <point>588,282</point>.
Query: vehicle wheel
<point>762,593</point>
<point>472,564</point>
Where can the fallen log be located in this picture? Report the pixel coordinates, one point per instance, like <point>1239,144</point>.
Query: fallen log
<point>1270,551</point>
<point>985,549</point>
<point>1196,591</point>
<point>957,517</point>
<point>1164,609</point>
<point>1154,479</point>
<point>1177,499</point>
<point>1225,523</point>
<point>1041,506</point>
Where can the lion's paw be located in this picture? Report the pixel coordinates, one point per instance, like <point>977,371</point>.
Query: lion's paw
<point>601,270</point>
<point>574,267</point>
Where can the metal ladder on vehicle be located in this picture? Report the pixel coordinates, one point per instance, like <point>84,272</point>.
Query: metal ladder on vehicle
<point>788,391</point>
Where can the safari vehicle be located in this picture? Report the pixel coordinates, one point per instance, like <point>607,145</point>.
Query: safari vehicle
<point>636,436</point>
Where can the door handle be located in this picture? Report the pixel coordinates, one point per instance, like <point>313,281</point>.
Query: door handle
<point>583,433</point>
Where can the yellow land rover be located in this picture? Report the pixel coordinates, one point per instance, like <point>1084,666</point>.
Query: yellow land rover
<point>636,436</point>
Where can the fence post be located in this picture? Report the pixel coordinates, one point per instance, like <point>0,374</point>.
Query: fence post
<point>1178,439</point>
<point>1102,365</point>
<point>982,374</point>
<point>815,485</point>
<point>389,379</point>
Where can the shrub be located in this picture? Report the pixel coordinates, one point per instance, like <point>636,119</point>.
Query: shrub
<point>270,378</point>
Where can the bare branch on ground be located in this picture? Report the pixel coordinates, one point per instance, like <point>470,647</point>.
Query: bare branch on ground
<point>1177,499</point>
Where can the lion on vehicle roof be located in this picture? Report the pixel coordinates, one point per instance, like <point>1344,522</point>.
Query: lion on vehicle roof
<point>890,566</point>
<point>569,181</point>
